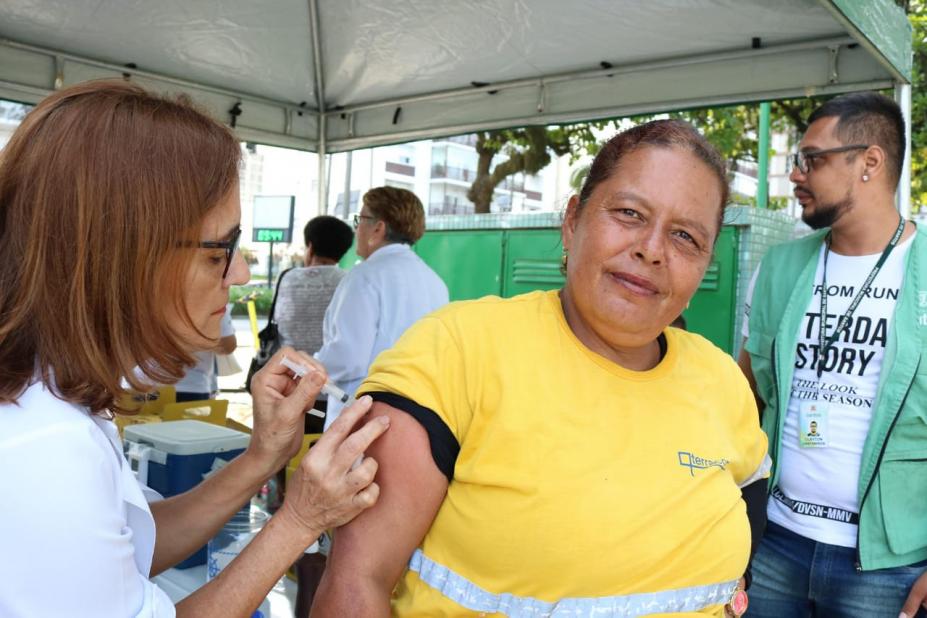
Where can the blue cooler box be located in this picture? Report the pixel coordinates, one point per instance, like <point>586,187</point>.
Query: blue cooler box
<point>173,457</point>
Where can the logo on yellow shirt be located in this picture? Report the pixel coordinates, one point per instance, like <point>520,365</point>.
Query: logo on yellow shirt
<point>693,462</point>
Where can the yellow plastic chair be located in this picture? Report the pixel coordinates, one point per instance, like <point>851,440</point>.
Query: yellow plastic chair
<point>231,423</point>
<point>151,402</point>
<point>308,440</point>
<point>124,420</point>
<point>163,395</point>
<point>206,410</point>
<point>144,407</point>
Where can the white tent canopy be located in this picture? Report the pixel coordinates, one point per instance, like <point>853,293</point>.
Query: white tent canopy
<point>335,75</point>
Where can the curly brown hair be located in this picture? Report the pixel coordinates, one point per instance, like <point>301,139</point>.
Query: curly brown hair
<point>400,210</point>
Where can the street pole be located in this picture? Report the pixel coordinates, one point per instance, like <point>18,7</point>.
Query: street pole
<point>270,266</point>
<point>762,158</point>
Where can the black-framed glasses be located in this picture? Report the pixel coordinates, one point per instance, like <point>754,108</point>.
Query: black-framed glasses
<point>230,246</point>
<point>358,217</point>
<point>804,161</point>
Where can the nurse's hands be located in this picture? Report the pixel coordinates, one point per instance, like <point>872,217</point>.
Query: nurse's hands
<point>280,405</point>
<point>325,491</point>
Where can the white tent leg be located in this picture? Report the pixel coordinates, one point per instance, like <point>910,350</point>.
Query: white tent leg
<point>323,176</point>
<point>903,197</point>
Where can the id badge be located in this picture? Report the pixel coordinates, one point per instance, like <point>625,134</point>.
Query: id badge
<point>812,424</point>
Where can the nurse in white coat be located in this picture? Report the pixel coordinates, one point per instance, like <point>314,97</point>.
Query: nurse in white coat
<point>119,224</point>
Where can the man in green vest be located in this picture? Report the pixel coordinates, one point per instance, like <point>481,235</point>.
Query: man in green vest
<point>834,350</point>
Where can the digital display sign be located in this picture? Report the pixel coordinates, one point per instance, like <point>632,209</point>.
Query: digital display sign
<point>273,218</point>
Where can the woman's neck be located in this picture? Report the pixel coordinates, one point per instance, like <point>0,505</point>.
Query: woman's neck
<point>635,358</point>
<point>315,260</point>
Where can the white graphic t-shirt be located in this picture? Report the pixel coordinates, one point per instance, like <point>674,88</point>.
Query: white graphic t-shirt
<point>827,420</point>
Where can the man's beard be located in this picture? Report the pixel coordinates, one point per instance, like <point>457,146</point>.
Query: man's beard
<point>825,215</point>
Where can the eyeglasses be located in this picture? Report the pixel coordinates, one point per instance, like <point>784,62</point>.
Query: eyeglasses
<point>230,246</point>
<point>357,219</point>
<point>804,161</point>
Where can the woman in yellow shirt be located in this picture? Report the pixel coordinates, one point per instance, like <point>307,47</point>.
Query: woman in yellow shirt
<point>566,453</point>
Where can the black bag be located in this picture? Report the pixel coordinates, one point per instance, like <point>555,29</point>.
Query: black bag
<point>268,339</point>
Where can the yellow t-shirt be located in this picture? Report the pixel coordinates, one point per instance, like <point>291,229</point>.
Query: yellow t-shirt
<point>577,480</point>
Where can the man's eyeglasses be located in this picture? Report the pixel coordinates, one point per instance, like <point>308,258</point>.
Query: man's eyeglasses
<point>357,219</point>
<point>804,161</point>
<point>230,246</point>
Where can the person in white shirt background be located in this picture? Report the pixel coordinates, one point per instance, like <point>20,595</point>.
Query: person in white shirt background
<point>200,380</point>
<point>112,198</point>
<point>383,295</point>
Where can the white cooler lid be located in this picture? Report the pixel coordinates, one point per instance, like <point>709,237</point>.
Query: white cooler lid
<point>187,437</point>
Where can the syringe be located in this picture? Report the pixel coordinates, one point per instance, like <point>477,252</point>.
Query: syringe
<point>328,388</point>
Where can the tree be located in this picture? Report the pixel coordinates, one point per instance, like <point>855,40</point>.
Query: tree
<point>527,150</point>
<point>732,130</point>
<point>917,15</point>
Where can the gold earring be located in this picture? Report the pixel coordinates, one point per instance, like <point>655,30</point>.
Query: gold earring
<point>563,263</point>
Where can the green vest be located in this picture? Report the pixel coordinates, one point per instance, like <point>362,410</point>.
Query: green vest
<point>893,470</point>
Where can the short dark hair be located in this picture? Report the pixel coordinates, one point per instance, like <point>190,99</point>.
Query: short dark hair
<point>659,133</point>
<point>868,118</point>
<point>329,236</point>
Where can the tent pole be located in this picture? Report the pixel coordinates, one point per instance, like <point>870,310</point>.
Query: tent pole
<point>762,159</point>
<point>320,99</point>
<point>609,73</point>
<point>584,115</point>
<point>903,197</point>
<point>323,176</point>
<point>347,185</point>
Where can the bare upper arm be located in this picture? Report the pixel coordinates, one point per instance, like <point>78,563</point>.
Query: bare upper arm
<point>379,542</point>
<point>745,365</point>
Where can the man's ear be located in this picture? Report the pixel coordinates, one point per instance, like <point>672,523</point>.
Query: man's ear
<point>875,162</point>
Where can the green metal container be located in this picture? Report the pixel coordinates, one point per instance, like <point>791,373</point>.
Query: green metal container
<point>506,255</point>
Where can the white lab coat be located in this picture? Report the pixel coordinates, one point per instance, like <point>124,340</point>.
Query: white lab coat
<point>76,533</point>
<point>373,305</point>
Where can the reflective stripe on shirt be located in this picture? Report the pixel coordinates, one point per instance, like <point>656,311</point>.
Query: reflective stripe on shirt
<point>467,594</point>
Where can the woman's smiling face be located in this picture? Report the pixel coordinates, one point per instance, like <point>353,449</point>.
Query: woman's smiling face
<point>639,246</point>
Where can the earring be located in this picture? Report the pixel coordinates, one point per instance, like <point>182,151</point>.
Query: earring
<point>865,177</point>
<point>563,262</point>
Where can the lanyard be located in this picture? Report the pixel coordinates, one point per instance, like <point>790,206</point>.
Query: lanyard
<point>824,345</point>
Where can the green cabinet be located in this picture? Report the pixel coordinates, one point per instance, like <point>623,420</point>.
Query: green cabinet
<point>532,261</point>
<point>507,262</point>
<point>469,261</point>
<point>711,311</point>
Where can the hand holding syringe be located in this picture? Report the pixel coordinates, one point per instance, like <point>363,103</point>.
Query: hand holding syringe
<point>328,388</point>
<point>299,370</point>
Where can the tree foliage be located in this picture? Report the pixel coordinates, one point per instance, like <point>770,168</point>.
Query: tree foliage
<point>917,15</point>
<point>733,130</point>
<point>527,150</point>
